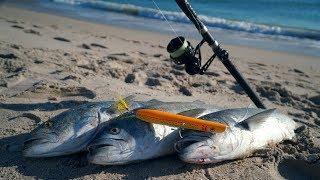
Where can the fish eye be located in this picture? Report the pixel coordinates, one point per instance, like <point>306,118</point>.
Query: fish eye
<point>47,124</point>
<point>114,131</point>
<point>214,147</point>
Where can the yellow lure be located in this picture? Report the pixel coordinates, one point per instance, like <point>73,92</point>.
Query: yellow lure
<point>122,105</point>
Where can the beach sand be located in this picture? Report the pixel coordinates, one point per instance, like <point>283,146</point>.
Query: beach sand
<point>50,63</point>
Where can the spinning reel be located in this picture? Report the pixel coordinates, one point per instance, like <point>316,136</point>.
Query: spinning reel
<point>182,52</point>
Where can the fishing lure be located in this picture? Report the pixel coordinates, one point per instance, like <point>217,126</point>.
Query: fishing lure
<point>171,119</point>
<point>122,105</point>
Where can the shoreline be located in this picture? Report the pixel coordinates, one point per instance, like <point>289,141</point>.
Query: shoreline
<point>229,37</point>
<point>256,54</point>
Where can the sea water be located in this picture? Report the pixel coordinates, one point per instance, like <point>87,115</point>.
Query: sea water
<point>282,25</point>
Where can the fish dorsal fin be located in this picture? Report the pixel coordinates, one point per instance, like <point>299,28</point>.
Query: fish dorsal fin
<point>194,112</point>
<point>253,122</point>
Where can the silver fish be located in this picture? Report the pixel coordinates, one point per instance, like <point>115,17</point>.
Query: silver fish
<point>249,130</point>
<point>127,139</point>
<point>72,130</point>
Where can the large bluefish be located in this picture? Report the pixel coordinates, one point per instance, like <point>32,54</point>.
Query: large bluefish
<point>127,139</point>
<point>249,130</point>
<point>68,132</point>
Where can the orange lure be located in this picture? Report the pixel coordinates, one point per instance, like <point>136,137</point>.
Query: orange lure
<point>170,119</point>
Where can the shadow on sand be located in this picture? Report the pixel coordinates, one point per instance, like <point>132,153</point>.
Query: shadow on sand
<point>74,166</point>
<point>298,169</point>
<point>47,106</point>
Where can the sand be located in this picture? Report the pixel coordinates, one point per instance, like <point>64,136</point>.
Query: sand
<point>50,63</point>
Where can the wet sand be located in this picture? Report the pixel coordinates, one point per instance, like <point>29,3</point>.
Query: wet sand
<point>49,64</point>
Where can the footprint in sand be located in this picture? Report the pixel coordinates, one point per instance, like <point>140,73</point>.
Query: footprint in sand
<point>85,46</point>
<point>237,89</point>
<point>298,169</point>
<point>61,39</point>
<point>12,21</point>
<point>153,82</point>
<point>78,91</point>
<point>8,56</point>
<point>136,42</point>
<point>37,26</point>
<point>71,77</point>
<point>17,27</point>
<point>157,55</point>
<point>117,56</point>
<point>3,83</point>
<point>185,91</point>
<point>31,89</point>
<point>31,31</point>
<point>98,45</point>
<point>31,116</point>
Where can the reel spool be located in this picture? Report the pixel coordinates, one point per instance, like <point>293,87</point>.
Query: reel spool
<point>182,52</point>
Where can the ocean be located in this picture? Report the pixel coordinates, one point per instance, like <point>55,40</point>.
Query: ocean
<point>280,25</point>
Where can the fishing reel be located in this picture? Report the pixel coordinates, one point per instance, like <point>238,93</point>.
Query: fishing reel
<point>182,52</point>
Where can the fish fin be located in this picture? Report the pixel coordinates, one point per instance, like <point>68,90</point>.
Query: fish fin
<point>193,112</point>
<point>254,121</point>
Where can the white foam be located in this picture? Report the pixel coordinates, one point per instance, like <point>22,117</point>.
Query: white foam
<point>210,21</point>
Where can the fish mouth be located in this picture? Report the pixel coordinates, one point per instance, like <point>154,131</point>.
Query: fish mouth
<point>107,154</point>
<point>194,151</point>
<point>183,144</point>
<point>35,147</point>
<point>94,147</point>
<point>189,139</point>
<point>34,141</point>
<point>109,145</point>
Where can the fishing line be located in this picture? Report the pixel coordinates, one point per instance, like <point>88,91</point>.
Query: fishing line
<point>179,130</point>
<point>164,17</point>
<point>245,115</point>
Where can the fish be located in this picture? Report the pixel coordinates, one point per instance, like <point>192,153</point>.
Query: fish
<point>127,139</point>
<point>71,131</point>
<point>249,129</point>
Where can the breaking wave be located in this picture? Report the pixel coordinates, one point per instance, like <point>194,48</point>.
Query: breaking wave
<point>134,10</point>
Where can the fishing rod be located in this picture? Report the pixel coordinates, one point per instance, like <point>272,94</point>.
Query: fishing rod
<point>182,52</point>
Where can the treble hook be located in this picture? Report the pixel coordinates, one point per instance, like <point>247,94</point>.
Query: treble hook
<point>247,111</point>
<point>179,130</point>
